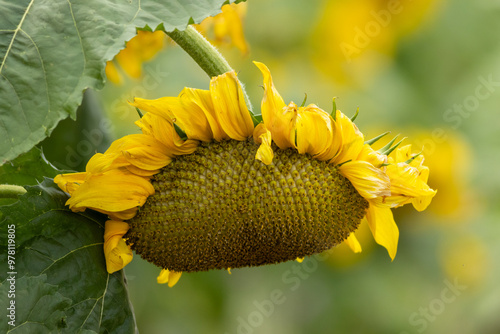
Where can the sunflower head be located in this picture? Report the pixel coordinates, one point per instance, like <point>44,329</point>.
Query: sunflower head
<point>205,189</point>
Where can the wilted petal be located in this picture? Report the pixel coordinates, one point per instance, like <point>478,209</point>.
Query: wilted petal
<point>262,136</point>
<point>230,107</point>
<point>117,253</point>
<point>170,277</point>
<point>384,228</point>
<point>369,181</point>
<point>353,243</point>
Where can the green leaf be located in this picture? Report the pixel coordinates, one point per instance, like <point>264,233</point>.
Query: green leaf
<point>61,283</point>
<point>72,143</point>
<point>51,51</point>
<point>29,168</point>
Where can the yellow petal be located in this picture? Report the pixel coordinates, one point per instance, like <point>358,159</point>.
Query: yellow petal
<point>299,259</point>
<point>278,118</point>
<point>195,117</point>
<point>170,277</point>
<point>370,182</point>
<point>142,151</point>
<point>368,154</point>
<point>230,108</point>
<point>407,184</point>
<point>314,132</point>
<point>160,107</point>
<point>203,100</point>
<point>384,228</point>
<point>353,243</point>
<point>351,138</point>
<point>164,131</point>
<point>117,253</point>
<point>70,182</point>
<point>421,203</point>
<point>263,136</point>
<point>111,192</point>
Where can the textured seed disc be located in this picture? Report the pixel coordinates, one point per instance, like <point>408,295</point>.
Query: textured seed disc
<point>220,208</point>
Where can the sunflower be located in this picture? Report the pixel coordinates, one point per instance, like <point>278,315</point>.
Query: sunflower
<point>204,188</point>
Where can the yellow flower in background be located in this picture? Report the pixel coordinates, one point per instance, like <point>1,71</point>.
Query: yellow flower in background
<point>449,156</point>
<point>142,48</point>
<point>352,34</point>
<point>203,188</point>
<point>225,28</point>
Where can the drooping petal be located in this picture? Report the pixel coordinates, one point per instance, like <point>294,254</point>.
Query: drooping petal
<point>142,151</point>
<point>353,243</point>
<point>262,136</point>
<point>203,100</point>
<point>170,277</point>
<point>369,181</point>
<point>351,138</point>
<point>272,102</point>
<point>278,117</point>
<point>315,133</point>
<point>161,107</point>
<point>230,107</point>
<point>384,228</point>
<point>70,182</point>
<point>111,192</point>
<point>117,253</point>
<point>163,131</point>
<point>370,155</point>
<point>406,185</point>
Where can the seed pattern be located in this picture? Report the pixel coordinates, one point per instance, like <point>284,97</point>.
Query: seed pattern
<point>220,208</point>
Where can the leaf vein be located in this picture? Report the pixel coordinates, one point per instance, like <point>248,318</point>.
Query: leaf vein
<point>70,252</point>
<point>43,69</point>
<point>102,306</point>
<point>15,34</point>
<point>138,10</point>
<point>90,312</point>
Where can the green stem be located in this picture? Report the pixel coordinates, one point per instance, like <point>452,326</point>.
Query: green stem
<point>11,191</point>
<point>205,55</point>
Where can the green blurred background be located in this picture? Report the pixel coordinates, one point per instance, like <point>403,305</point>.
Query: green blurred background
<point>428,70</point>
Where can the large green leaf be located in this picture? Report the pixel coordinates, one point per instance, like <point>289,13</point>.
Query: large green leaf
<point>52,50</point>
<point>56,274</point>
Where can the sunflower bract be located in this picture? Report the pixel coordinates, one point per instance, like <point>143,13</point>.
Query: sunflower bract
<point>219,208</point>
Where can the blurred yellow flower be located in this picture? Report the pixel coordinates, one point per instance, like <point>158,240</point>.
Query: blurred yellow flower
<point>351,33</point>
<point>203,188</point>
<point>225,28</point>
<point>143,47</point>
